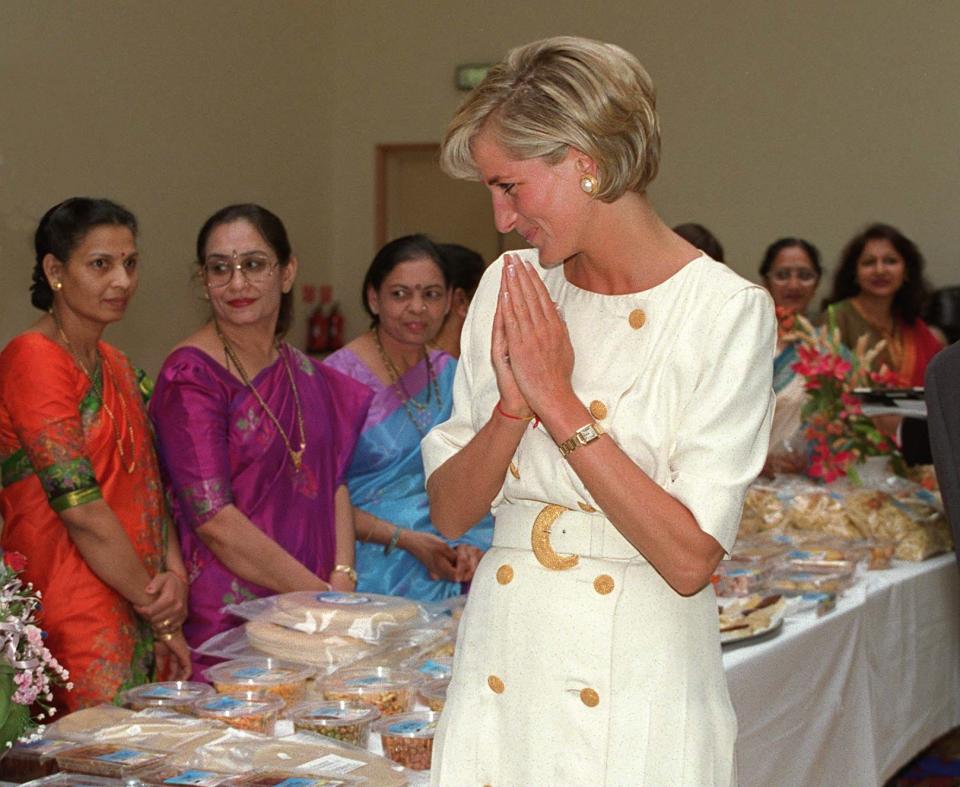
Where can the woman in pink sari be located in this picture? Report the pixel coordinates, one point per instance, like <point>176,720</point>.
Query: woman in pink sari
<point>254,437</point>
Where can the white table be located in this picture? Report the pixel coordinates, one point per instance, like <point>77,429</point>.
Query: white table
<point>849,698</point>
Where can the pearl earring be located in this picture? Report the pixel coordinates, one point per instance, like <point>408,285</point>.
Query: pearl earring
<point>58,285</point>
<point>589,184</point>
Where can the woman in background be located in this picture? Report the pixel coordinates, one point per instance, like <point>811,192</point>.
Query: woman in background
<point>791,272</point>
<point>254,437</point>
<point>879,291</point>
<point>406,292</point>
<point>81,494</point>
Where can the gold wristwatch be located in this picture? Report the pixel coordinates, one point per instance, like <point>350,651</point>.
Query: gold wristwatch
<point>583,435</point>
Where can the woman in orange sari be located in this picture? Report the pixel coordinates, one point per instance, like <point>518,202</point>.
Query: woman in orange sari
<point>879,291</point>
<point>81,494</point>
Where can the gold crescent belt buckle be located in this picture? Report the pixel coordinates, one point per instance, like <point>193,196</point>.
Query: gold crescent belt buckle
<point>540,540</point>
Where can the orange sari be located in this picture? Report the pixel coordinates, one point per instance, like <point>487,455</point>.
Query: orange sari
<point>58,450</point>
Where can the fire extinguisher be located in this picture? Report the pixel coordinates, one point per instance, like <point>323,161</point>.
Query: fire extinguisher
<point>318,331</point>
<point>335,328</point>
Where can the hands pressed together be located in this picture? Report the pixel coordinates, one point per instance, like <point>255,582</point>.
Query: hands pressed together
<point>530,350</point>
<point>166,614</point>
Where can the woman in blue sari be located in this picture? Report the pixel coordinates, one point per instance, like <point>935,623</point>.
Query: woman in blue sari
<point>791,272</point>
<point>406,292</point>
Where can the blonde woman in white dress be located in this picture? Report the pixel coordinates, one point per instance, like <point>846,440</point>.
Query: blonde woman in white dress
<point>611,406</point>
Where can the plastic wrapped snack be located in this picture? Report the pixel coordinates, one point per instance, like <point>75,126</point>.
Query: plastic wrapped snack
<point>365,616</point>
<point>408,738</point>
<point>29,760</point>
<point>75,780</point>
<point>178,695</point>
<point>292,779</point>
<point>342,720</point>
<point>80,724</point>
<point>253,711</point>
<point>327,652</point>
<point>390,690</point>
<point>272,676</point>
<point>795,583</point>
<point>763,509</point>
<point>157,729</point>
<point>740,579</point>
<point>106,759</point>
<point>821,558</point>
<point>823,509</point>
<point>164,774</point>
<point>434,693</point>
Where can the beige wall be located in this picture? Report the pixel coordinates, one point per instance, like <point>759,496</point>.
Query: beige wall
<point>806,118</point>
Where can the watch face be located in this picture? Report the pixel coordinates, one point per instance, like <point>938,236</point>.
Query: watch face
<point>588,433</point>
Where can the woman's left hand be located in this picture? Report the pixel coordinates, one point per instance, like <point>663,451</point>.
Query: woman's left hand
<point>468,558</point>
<point>173,657</point>
<point>168,610</point>
<point>340,581</point>
<point>541,355</point>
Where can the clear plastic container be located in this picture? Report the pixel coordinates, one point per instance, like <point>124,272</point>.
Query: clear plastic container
<point>342,720</point>
<point>434,693</point>
<point>390,690</point>
<point>740,579</point>
<point>254,711</point>
<point>436,667</point>
<point>791,582</point>
<point>408,738</point>
<point>26,761</point>
<point>291,779</point>
<point>76,780</point>
<point>282,678</point>
<point>107,759</point>
<point>177,695</point>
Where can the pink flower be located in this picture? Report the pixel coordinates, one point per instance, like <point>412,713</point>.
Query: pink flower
<point>15,560</point>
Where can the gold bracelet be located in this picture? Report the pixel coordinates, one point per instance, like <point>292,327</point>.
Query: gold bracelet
<point>350,571</point>
<point>166,636</point>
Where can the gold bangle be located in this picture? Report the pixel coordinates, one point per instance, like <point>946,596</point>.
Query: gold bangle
<point>350,571</point>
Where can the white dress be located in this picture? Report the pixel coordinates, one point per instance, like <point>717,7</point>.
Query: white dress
<point>601,674</point>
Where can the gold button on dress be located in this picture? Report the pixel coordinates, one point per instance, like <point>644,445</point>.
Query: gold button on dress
<point>495,684</point>
<point>504,574</point>
<point>603,584</point>
<point>589,697</point>
<point>598,409</point>
<point>637,318</point>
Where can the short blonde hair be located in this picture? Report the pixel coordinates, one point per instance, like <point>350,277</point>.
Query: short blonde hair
<point>546,97</point>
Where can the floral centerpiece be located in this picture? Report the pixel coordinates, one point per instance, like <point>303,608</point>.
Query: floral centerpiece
<point>28,671</point>
<point>839,435</point>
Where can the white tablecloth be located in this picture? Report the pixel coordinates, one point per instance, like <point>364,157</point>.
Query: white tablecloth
<point>849,698</point>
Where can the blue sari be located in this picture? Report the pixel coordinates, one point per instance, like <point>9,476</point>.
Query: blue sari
<point>386,477</point>
<point>783,371</point>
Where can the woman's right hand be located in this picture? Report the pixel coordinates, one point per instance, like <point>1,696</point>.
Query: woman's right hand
<point>511,399</point>
<point>173,657</point>
<point>435,553</point>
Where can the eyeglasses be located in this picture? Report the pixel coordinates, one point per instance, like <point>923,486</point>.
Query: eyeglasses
<point>256,268</point>
<point>783,275</point>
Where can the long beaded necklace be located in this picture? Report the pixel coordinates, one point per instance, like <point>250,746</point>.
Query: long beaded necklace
<point>295,456</point>
<point>105,368</point>
<point>406,399</point>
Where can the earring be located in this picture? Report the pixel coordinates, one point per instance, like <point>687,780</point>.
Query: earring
<point>589,184</point>
<point>58,285</point>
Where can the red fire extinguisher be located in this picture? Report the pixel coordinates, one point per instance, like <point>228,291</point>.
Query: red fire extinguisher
<point>318,331</point>
<point>335,328</point>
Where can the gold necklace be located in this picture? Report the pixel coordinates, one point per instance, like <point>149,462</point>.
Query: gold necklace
<point>105,367</point>
<point>295,456</point>
<point>402,393</point>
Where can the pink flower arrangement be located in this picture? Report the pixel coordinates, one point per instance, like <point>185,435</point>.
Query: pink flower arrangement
<point>839,434</point>
<point>35,670</point>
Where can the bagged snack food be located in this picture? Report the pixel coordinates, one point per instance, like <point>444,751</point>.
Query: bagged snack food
<point>266,674</point>
<point>763,509</point>
<point>164,774</point>
<point>365,616</point>
<point>326,651</point>
<point>823,509</point>
<point>790,582</point>
<point>157,729</point>
<point>291,779</point>
<point>408,738</point>
<point>75,780</point>
<point>740,579</point>
<point>81,723</point>
<point>341,720</point>
<point>106,759</point>
<point>28,760</point>
<point>178,695</point>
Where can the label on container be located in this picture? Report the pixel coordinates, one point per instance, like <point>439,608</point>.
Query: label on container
<point>431,667</point>
<point>128,756</point>
<point>411,727</point>
<point>295,781</point>
<point>333,712</point>
<point>160,692</point>
<point>367,680</point>
<point>742,572</point>
<point>204,778</point>
<point>332,763</point>
<point>250,672</point>
<point>343,599</point>
<point>232,703</point>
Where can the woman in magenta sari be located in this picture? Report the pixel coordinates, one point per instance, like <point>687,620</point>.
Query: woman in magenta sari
<point>254,437</point>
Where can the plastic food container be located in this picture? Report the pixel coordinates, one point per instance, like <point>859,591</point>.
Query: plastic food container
<point>291,779</point>
<point>390,690</point>
<point>796,583</point>
<point>76,780</point>
<point>168,774</point>
<point>408,738</point>
<point>342,720</point>
<point>254,711</point>
<point>434,693</point>
<point>107,759</point>
<point>740,579</point>
<point>25,762</point>
<point>436,667</point>
<point>177,695</point>
<point>281,678</point>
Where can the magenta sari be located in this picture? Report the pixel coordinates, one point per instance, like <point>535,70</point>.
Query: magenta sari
<point>218,447</point>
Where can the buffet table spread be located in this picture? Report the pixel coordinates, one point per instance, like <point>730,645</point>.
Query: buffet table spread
<point>850,697</point>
